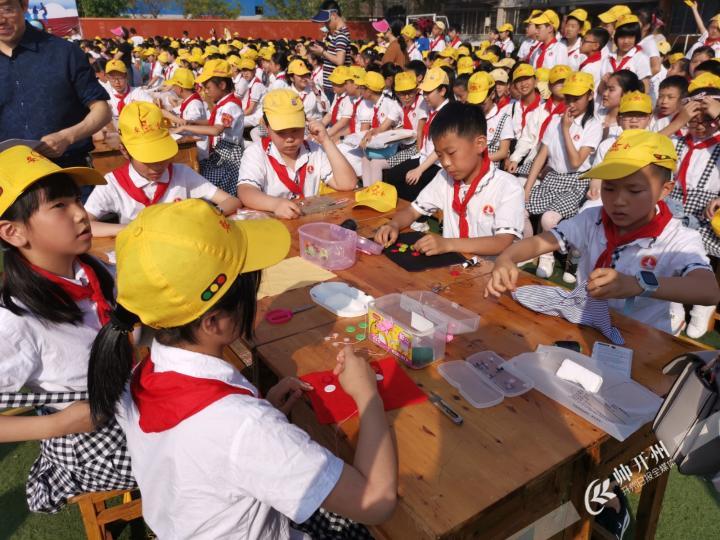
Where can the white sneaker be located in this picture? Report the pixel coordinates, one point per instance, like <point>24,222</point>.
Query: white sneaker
<point>420,227</point>
<point>699,321</point>
<point>545,267</point>
<point>569,278</point>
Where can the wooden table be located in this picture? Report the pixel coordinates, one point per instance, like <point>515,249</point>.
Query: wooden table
<point>106,158</point>
<point>506,466</point>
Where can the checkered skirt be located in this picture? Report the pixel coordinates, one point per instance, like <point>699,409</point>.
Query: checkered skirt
<point>403,154</point>
<point>324,525</point>
<point>561,193</point>
<point>494,143</point>
<point>524,169</point>
<point>222,166</point>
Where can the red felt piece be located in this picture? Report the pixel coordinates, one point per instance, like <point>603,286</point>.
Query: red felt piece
<point>396,390</point>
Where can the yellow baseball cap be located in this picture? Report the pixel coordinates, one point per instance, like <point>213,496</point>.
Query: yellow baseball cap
<point>500,76</point>
<point>339,75</point>
<point>357,74</point>
<point>211,49</point>
<point>115,65</point>
<point>214,68</point>
<point>558,73</point>
<point>534,13</point>
<point>633,150</point>
<point>542,75</point>
<point>664,47</point>
<point>479,87</point>
<point>547,17</point>
<point>233,60</point>
<point>440,25</point>
<point>484,44</point>
<point>21,167</point>
<point>504,63</point>
<point>224,48</point>
<point>182,77</point>
<point>433,78</point>
<point>613,14</point>
<point>175,44</point>
<point>448,52</point>
<point>578,83</point>
<point>409,31</point>
<point>507,27</point>
<point>523,70</point>
<point>156,249</point>
<point>298,67</point>
<point>143,133</point>
<point>246,63</point>
<point>704,80</point>
<point>163,57</point>
<point>283,109</point>
<point>150,52</point>
<point>252,54</point>
<point>374,81</point>
<point>379,196</point>
<point>465,65</point>
<point>635,102</point>
<point>489,57</point>
<point>579,14</point>
<point>463,51</point>
<point>265,53</point>
<point>675,58</point>
<point>405,81</point>
<point>628,18</point>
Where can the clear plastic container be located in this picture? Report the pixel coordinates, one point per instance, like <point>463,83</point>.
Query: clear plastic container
<point>399,327</point>
<point>369,247</point>
<point>441,310</point>
<point>328,245</point>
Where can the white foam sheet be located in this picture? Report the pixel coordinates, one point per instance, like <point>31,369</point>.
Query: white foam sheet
<point>341,299</point>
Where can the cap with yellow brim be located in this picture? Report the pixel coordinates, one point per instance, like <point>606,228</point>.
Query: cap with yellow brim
<point>635,102</point>
<point>21,167</point>
<point>143,133</point>
<point>433,78</point>
<point>155,250</point>
<point>214,68</point>
<point>182,77</point>
<point>379,196</point>
<point>284,109</point>
<point>479,87</point>
<point>633,150</point>
<point>578,83</point>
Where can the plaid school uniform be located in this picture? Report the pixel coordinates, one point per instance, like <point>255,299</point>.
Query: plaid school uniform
<point>226,150</point>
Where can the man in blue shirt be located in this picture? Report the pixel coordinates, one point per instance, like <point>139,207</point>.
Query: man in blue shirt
<point>48,91</point>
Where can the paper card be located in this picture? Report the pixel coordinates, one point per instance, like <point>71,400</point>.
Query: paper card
<point>613,356</point>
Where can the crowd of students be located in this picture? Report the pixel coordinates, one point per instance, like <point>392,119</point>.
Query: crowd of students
<point>589,145</point>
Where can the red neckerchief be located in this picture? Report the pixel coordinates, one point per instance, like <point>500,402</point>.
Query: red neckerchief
<point>375,118</point>
<point>152,69</point>
<point>532,51</point>
<point>594,57</point>
<point>503,102</point>
<point>247,101</point>
<point>193,97</point>
<point>354,114</point>
<point>460,207</point>
<point>559,109</point>
<point>685,163</point>
<point>122,175</point>
<point>628,56</point>
<point>316,71</point>
<point>231,97</point>
<point>164,399</point>
<point>121,102</point>
<point>436,41</point>
<point>530,108</point>
<point>574,50</point>
<point>455,41</point>
<point>543,49</point>
<point>712,41</point>
<point>335,109</point>
<point>615,239</point>
<point>296,188</point>
<point>407,122</point>
<point>280,76</point>
<point>92,291</point>
<point>549,105</point>
<point>426,128</point>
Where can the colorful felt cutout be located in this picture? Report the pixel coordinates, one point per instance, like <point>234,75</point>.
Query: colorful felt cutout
<point>404,254</point>
<point>333,405</point>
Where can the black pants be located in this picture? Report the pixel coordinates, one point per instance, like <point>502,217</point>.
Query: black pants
<point>396,177</point>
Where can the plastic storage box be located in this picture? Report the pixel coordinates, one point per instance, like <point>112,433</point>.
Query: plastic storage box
<point>328,245</point>
<point>397,325</point>
<point>441,310</point>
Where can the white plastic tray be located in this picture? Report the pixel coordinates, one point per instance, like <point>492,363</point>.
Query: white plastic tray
<point>341,299</point>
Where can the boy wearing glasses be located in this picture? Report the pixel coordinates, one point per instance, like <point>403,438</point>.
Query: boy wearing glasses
<point>591,47</point>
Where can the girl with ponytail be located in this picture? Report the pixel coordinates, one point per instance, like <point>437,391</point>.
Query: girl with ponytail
<point>53,301</point>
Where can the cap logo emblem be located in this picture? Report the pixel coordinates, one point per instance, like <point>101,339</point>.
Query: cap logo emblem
<point>225,225</point>
<point>32,157</point>
<point>213,288</point>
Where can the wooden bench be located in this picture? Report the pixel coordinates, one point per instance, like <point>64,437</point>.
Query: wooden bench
<point>97,515</point>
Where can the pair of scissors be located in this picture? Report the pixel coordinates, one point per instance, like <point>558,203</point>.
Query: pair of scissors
<point>282,315</point>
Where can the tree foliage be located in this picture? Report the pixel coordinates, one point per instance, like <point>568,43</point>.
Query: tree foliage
<point>216,9</point>
<point>102,8</point>
<point>304,9</point>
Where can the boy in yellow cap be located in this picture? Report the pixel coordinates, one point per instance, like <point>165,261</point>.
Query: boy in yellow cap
<point>694,197</point>
<point>121,92</point>
<point>632,252</point>
<point>499,132</point>
<point>481,205</point>
<point>191,106</point>
<point>409,177</point>
<point>224,127</point>
<point>148,177</point>
<point>284,168</point>
<point>548,51</point>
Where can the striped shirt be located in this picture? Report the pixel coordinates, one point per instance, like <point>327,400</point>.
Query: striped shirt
<point>337,41</point>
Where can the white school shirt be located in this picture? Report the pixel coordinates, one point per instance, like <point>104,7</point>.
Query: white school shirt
<point>44,356</point>
<point>698,162</point>
<point>344,108</point>
<point>493,121</point>
<point>428,146</point>
<point>438,44</point>
<point>235,469</point>
<point>574,56</point>
<point>157,70</point>
<point>310,103</point>
<point>590,135</point>
<point>317,76</point>
<point>111,198</point>
<point>556,54</point>
<point>676,252</point>
<point>700,43</point>
<point>595,69</point>
<point>496,207</point>
<point>527,143</point>
<point>525,48</point>
<point>648,45</point>
<point>414,53</point>
<point>240,84</point>
<point>230,115</point>
<point>194,110</point>
<point>255,92</point>
<point>637,62</point>
<point>658,124</point>
<point>516,111</point>
<point>256,170</point>
<point>278,81</point>
<point>507,46</point>
<point>655,81</point>
<point>135,94</point>
<point>418,111</point>
<point>364,113</point>
<point>387,107</point>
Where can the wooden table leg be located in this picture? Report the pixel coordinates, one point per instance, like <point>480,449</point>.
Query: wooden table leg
<point>648,512</point>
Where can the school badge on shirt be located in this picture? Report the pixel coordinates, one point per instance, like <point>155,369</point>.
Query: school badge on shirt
<point>488,210</point>
<point>227,119</point>
<point>649,262</point>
